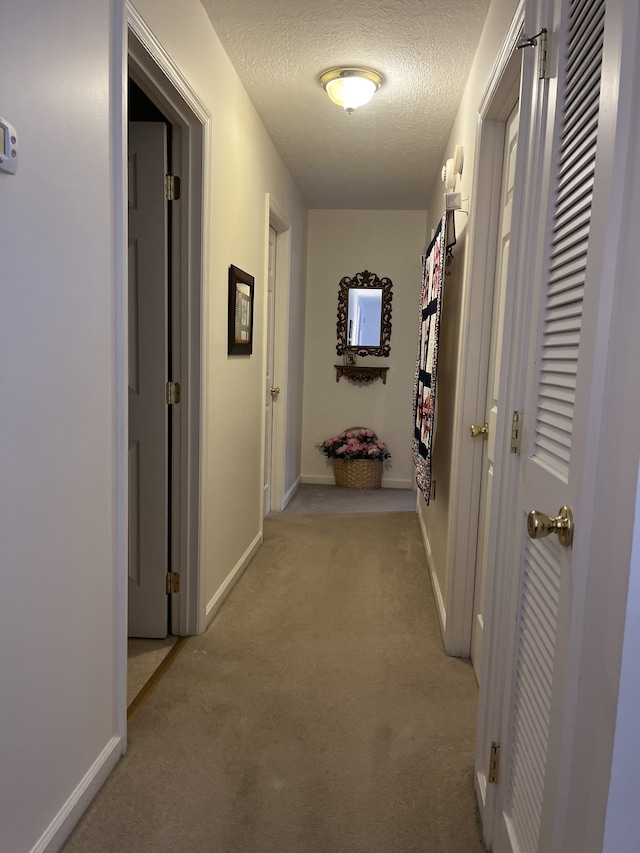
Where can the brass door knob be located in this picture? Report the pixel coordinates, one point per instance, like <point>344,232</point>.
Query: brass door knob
<point>477,430</point>
<point>275,390</point>
<point>540,525</point>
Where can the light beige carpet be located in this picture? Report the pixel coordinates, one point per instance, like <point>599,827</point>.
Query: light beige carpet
<point>311,498</point>
<point>318,714</point>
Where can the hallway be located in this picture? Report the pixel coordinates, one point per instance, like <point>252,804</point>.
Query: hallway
<point>318,714</point>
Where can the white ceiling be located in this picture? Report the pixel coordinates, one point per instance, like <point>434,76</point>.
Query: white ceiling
<point>386,154</point>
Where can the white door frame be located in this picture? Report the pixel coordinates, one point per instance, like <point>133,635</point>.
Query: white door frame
<point>533,156</point>
<point>147,62</point>
<point>475,334</point>
<point>276,220</point>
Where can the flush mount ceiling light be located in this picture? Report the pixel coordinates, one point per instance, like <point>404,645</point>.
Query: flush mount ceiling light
<point>351,87</point>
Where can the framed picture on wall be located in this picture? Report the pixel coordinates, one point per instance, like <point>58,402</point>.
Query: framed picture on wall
<point>240,312</point>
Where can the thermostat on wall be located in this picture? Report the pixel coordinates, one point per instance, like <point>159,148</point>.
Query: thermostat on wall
<point>8,147</point>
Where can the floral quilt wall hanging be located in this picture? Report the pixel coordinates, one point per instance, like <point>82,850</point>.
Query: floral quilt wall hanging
<point>424,386</point>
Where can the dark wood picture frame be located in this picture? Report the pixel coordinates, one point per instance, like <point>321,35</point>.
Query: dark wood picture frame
<point>240,312</point>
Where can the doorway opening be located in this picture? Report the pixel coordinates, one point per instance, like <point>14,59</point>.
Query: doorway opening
<point>487,313</point>
<point>167,313</point>
<point>152,339</point>
<point>488,441</point>
<point>272,391</point>
<point>277,368</point>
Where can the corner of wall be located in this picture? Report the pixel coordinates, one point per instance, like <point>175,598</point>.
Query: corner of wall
<point>435,583</point>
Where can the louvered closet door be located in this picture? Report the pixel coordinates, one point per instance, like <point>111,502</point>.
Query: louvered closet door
<point>550,463</point>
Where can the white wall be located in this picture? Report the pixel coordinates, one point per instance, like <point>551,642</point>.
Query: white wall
<point>245,167</point>
<point>435,517</point>
<point>57,420</point>
<point>344,243</point>
<point>62,490</point>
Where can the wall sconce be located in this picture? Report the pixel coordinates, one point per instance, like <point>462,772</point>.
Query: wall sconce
<point>452,169</point>
<point>350,87</point>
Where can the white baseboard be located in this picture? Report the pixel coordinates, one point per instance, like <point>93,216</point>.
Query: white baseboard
<point>397,483</point>
<point>437,592</point>
<point>318,479</point>
<point>290,493</point>
<point>227,585</point>
<point>60,828</point>
<point>328,480</point>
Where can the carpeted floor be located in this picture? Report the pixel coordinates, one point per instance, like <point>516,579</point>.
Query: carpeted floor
<point>310,498</point>
<point>318,714</point>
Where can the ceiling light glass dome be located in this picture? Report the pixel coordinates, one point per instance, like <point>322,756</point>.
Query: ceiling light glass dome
<point>351,87</point>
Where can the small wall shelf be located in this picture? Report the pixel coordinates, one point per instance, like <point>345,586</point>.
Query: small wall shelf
<point>357,373</point>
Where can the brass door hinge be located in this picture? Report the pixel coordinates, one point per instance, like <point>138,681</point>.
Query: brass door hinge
<point>173,582</point>
<point>172,393</point>
<point>172,187</point>
<point>516,432</point>
<point>494,763</point>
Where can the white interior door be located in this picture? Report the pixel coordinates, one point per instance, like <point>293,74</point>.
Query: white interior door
<point>271,390</point>
<point>551,461</point>
<point>493,381</point>
<point>148,438</point>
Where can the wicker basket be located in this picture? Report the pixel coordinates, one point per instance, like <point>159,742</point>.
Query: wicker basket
<point>358,473</point>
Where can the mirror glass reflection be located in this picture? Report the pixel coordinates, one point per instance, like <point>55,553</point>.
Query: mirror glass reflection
<point>364,318</point>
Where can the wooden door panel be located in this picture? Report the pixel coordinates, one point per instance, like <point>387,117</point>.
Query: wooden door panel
<point>493,383</point>
<point>148,440</point>
<point>549,474</point>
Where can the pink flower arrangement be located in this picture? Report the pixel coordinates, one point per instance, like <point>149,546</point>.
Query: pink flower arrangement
<point>354,444</point>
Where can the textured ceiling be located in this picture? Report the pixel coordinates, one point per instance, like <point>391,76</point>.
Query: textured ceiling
<point>386,154</point>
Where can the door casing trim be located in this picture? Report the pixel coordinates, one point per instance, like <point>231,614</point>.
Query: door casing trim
<point>146,61</point>
<point>473,355</point>
<point>276,220</point>
<point>151,66</point>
